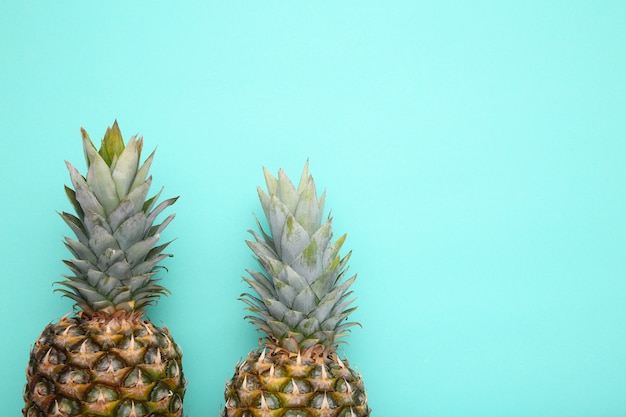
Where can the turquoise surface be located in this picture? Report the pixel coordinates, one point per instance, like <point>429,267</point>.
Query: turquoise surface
<point>474,152</point>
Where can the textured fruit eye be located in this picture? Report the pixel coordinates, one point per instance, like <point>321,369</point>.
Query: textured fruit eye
<point>130,408</point>
<point>55,356</point>
<point>153,355</point>
<point>64,407</point>
<point>136,378</point>
<point>73,376</point>
<point>44,388</point>
<point>176,404</point>
<point>160,392</point>
<point>109,364</point>
<point>101,393</point>
<point>173,371</point>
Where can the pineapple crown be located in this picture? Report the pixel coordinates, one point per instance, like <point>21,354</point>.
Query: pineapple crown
<point>301,295</point>
<point>115,250</point>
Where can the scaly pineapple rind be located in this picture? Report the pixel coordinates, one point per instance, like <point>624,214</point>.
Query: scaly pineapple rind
<point>104,365</point>
<point>313,383</point>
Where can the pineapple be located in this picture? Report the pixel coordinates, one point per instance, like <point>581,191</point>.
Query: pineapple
<point>301,302</point>
<point>106,359</point>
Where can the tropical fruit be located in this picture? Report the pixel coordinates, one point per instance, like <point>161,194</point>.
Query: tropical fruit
<point>301,301</point>
<point>107,358</point>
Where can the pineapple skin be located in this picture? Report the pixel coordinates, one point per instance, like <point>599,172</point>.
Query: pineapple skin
<point>276,383</point>
<point>96,365</point>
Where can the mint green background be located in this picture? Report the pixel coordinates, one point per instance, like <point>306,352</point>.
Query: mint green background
<point>474,152</point>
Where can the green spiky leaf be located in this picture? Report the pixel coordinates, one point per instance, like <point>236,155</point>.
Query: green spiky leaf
<point>301,296</point>
<point>112,144</point>
<point>116,255</point>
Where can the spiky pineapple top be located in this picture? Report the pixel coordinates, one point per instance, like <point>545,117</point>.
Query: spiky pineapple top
<point>301,295</point>
<point>115,253</point>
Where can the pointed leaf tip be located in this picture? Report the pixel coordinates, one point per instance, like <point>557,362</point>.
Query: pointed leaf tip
<point>112,143</point>
<point>88,147</point>
<point>270,181</point>
<point>84,133</point>
<point>304,176</point>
